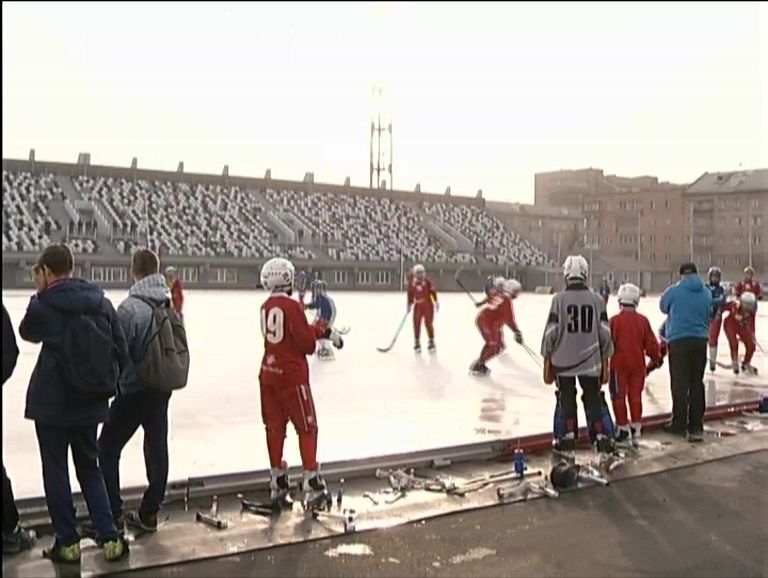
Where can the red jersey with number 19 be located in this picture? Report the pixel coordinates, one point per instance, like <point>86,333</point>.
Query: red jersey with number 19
<point>288,339</point>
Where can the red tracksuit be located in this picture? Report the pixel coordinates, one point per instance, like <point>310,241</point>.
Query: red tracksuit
<point>491,320</point>
<point>177,298</point>
<point>737,326</point>
<point>633,339</point>
<point>284,377</point>
<point>422,295</point>
<point>752,286</point>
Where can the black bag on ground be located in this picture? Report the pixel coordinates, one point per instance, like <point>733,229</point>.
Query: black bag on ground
<point>89,360</point>
<point>165,366</point>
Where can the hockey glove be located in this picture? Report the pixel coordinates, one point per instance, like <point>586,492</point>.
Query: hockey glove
<point>518,337</point>
<point>437,307</point>
<point>410,306</point>
<point>338,342</point>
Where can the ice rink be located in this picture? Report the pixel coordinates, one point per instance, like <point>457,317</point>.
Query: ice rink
<point>368,403</point>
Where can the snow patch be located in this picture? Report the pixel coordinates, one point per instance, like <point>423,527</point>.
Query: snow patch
<point>349,550</point>
<point>473,554</point>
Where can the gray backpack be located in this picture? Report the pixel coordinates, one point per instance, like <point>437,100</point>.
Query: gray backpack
<point>165,366</point>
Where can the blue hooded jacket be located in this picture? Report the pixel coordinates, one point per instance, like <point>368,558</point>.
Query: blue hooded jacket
<point>50,399</point>
<point>688,305</point>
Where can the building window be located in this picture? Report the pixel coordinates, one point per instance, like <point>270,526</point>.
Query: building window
<point>97,274</point>
<point>667,204</point>
<point>755,203</point>
<point>653,205</point>
<point>363,277</point>
<point>757,239</point>
<point>225,275</point>
<point>340,277</point>
<point>757,220</point>
<point>189,274</point>
<point>383,278</point>
<point>738,221</point>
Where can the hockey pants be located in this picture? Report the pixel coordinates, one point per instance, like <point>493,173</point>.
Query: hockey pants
<point>426,312</point>
<point>281,403</point>
<point>734,332</point>
<point>627,386</point>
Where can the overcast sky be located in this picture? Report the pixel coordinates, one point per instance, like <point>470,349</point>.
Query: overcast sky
<point>480,95</point>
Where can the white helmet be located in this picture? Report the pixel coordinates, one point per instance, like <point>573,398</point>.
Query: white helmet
<point>575,267</point>
<point>748,301</point>
<point>512,287</point>
<point>418,268</point>
<point>629,294</point>
<point>498,282</point>
<point>277,273</point>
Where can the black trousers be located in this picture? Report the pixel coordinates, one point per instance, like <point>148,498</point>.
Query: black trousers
<point>10,513</point>
<point>687,362</point>
<point>566,411</point>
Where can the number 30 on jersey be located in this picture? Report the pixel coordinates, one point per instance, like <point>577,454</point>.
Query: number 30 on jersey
<point>272,325</point>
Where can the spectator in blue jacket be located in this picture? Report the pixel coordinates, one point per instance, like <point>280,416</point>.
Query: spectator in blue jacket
<point>15,538</point>
<point>63,418</point>
<point>688,305</point>
<point>137,404</point>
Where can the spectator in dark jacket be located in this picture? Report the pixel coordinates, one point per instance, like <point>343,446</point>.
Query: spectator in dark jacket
<point>15,538</point>
<point>138,405</point>
<point>63,418</point>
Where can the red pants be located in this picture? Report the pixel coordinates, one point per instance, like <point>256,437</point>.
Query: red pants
<point>425,311</point>
<point>734,331</point>
<point>627,385</point>
<point>280,403</point>
<point>714,330</point>
<point>494,341</point>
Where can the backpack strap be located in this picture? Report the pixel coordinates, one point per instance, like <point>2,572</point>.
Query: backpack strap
<point>151,302</point>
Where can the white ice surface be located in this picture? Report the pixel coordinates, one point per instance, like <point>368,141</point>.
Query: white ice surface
<point>368,403</point>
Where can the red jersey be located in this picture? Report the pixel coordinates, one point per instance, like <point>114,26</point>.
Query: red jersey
<point>633,339</point>
<point>745,286</point>
<point>737,315</point>
<point>288,339</point>
<point>497,312</point>
<point>177,297</point>
<point>421,291</point>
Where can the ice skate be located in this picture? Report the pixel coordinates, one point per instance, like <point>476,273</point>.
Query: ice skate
<point>565,444</point>
<point>712,365</point>
<point>748,369</point>
<point>431,346</point>
<point>736,369</point>
<point>279,485</point>
<point>417,347</point>
<point>636,430</point>
<point>604,444</point>
<point>326,354</point>
<point>623,435</point>
<point>479,369</point>
<point>316,495</point>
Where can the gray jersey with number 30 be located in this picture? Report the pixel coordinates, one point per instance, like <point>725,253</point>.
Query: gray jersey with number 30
<point>577,336</point>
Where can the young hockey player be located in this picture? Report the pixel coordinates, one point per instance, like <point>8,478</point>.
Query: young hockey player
<point>718,302</point>
<point>749,285</point>
<point>741,312</point>
<point>422,298</point>
<point>325,309</point>
<point>577,345</point>
<point>492,285</point>
<point>284,377</point>
<point>490,322</point>
<point>633,340</point>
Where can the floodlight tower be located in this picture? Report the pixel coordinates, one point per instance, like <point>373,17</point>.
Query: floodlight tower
<point>381,132</point>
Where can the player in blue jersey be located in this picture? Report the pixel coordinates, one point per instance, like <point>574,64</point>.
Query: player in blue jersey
<point>325,309</point>
<point>716,316</point>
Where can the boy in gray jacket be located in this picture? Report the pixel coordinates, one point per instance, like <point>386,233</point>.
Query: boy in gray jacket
<point>577,343</point>
<point>137,404</point>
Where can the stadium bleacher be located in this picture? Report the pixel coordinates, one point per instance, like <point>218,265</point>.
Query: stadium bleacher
<point>226,221</point>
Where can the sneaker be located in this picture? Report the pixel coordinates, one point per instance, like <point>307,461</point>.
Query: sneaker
<point>279,485</point>
<point>18,540</point>
<point>144,522</point>
<point>116,549</point>
<point>431,345</point>
<point>88,530</point>
<point>622,435</point>
<point>64,554</point>
<point>673,429</point>
<point>604,444</point>
<point>695,436</point>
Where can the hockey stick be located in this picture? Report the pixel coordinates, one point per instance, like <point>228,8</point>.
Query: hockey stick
<point>397,333</point>
<point>757,343</point>
<point>533,355</point>
<point>460,284</point>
